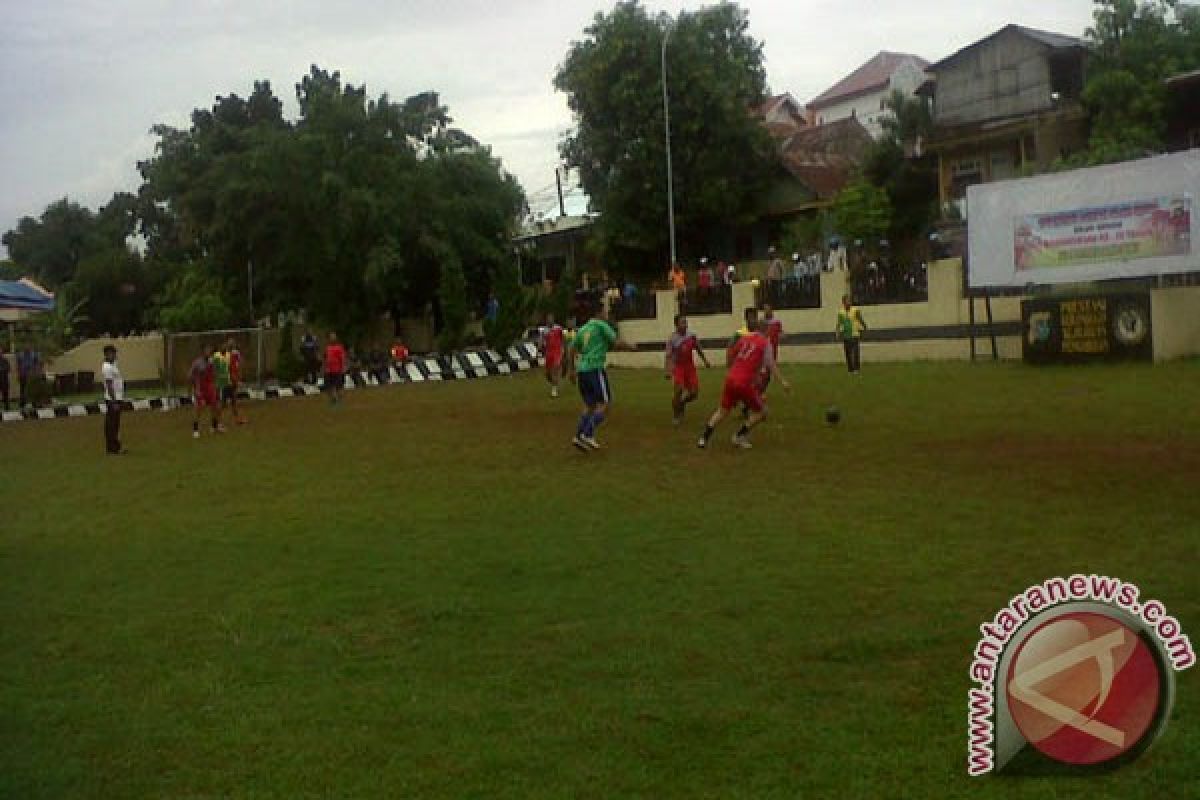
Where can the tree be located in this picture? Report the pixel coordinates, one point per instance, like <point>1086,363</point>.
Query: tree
<point>517,306</point>
<point>862,211</point>
<point>1135,46</point>
<point>897,165</point>
<point>452,299</point>
<point>193,301</point>
<point>722,156</point>
<point>351,211</point>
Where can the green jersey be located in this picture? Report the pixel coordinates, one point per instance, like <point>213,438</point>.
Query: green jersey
<point>221,369</point>
<point>592,341</point>
<point>850,323</point>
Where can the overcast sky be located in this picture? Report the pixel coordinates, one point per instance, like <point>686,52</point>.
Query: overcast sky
<point>85,80</point>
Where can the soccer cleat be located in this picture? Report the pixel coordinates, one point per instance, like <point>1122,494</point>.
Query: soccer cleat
<point>702,442</point>
<point>677,420</point>
<point>742,442</point>
<point>579,444</point>
<point>590,442</point>
<point>220,429</point>
<point>195,434</point>
<point>554,391</point>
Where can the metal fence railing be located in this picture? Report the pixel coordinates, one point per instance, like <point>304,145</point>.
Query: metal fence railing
<point>711,300</point>
<point>641,305</point>
<point>880,286</point>
<point>802,292</point>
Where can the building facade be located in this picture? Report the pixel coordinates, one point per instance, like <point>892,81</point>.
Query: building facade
<point>863,94</point>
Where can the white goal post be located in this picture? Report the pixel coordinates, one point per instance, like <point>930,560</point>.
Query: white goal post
<point>181,348</point>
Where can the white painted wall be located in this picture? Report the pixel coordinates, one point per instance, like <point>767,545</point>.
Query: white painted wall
<point>867,107</point>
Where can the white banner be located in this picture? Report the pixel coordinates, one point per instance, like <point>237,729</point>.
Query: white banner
<point>1128,220</point>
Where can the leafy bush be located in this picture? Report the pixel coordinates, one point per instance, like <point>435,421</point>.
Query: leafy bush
<point>289,368</point>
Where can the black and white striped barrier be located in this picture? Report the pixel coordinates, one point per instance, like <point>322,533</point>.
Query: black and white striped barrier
<point>468,365</point>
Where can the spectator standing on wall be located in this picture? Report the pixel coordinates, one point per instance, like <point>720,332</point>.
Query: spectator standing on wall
<point>704,277</point>
<point>730,275</point>
<point>5,368</point>
<point>28,366</point>
<point>308,351</point>
<point>774,271</point>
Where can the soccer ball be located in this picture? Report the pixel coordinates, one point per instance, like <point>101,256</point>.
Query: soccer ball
<point>833,415</point>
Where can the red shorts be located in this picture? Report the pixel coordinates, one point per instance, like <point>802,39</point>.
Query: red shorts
<point>553,358</point>
<point>686,377</point>
<point>736,392</point>
<point>204,396</point>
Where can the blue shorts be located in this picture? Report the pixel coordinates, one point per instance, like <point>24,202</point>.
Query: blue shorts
<point>594,388</point>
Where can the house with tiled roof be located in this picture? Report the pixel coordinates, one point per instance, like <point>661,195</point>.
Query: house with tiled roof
<point>863,93</point>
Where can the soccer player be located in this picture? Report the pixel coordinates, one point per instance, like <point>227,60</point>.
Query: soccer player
<point>233,357</point>
<point>552,349</point>
<point>204,391</point>
<point>850,327</point>
<point>749,354</point>
<point>591,344</point>
<point>220,362</point>
<point>773,329</point>
<point>681,367</point>
<point>335,368</point>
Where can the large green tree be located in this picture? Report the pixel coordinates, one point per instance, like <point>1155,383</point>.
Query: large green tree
<point>722,156</point>
<point>897,165</point>
<point>349,211</point>
<point>1134,47</point>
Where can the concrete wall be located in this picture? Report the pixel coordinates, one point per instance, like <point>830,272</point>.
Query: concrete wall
<point>140,357</point>
<point>931,330</point>
<point>1176,322</point>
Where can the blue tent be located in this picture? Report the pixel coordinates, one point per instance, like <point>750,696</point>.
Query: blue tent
<point>17,295</point>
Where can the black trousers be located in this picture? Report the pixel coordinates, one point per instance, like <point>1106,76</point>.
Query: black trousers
<point>853,356</point>
<point>112,426</point>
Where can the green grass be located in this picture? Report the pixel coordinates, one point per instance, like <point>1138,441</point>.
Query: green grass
<point>428,593</point>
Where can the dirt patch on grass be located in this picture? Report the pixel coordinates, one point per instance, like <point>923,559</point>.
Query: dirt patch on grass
<point>1139,457</point>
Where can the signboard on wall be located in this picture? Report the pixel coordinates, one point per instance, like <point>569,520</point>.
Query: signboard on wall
<point>1131,220</point>
<point>1087,328</point>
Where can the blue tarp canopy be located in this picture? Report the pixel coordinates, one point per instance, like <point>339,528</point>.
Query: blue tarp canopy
<point>15,294</point>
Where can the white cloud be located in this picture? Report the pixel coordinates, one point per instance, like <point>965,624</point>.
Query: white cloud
<point>88,78</point>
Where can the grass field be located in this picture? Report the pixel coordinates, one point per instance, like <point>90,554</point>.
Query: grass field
<point>428,593</point>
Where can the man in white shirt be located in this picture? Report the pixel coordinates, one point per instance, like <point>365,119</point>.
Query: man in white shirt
<point>114,398</point>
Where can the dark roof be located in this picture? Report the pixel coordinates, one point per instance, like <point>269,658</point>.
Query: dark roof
<point>824,157</point>
<point>871,76</point>
<point>1054,41</point>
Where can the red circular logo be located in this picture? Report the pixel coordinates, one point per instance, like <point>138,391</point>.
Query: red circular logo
<point>1084,688</point>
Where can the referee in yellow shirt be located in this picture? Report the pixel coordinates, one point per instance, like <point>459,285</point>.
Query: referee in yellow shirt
<point>850,327</point>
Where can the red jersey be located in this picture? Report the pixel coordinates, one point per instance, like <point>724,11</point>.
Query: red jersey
<point>202,373</point>
<point>680,348</point>
<point>235,366</point>
<point>335,358</point>
<point>553,340</point>
<point>774,334</point>
<point>751,354</point>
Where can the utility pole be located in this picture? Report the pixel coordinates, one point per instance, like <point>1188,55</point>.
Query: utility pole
<point>562,207</point>
<point>667,132</point>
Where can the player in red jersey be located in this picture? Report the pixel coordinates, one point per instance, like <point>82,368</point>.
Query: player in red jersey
<point>747,356</point>
<point>773,330</point>
<point>235,379</point>
<point>681,367</point>
<point>204,391</point>
<point>335,368</point>
<point>552,349</point>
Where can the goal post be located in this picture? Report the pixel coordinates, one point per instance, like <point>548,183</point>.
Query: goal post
<point>181,348</point>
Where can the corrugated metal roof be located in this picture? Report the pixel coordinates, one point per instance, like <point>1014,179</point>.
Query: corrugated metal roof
<point>1055,41</point>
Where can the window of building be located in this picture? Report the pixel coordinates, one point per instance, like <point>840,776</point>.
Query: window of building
<point>1066,75</point>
